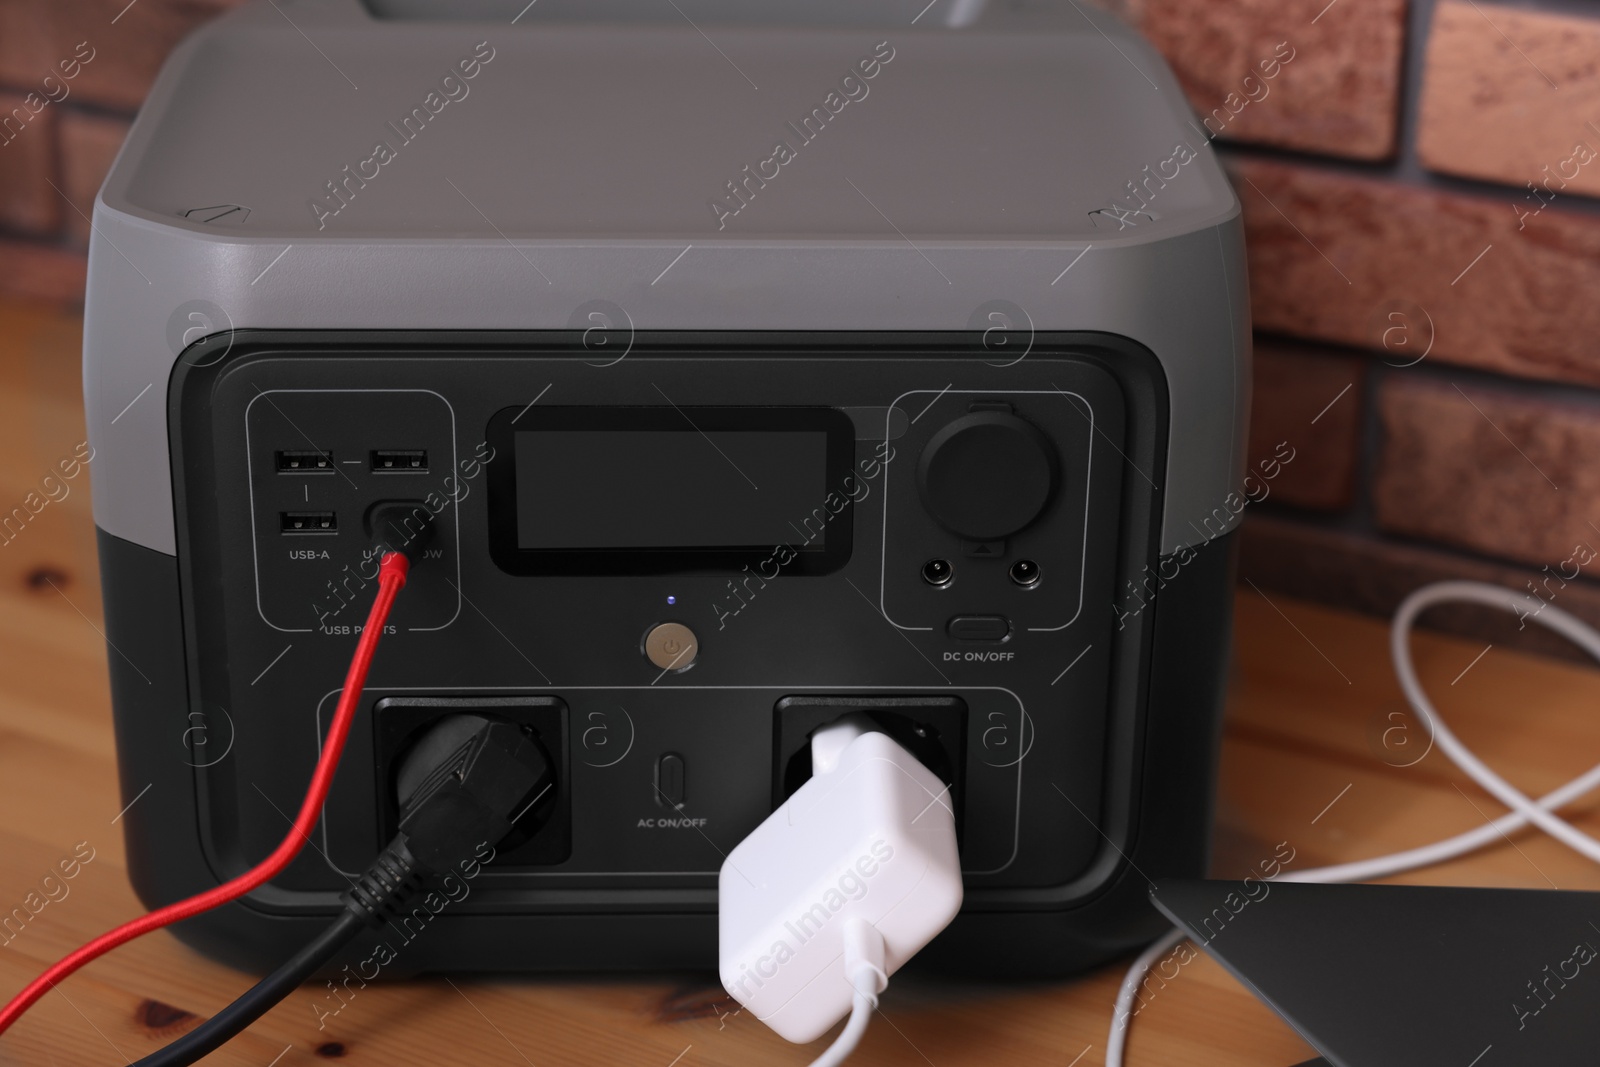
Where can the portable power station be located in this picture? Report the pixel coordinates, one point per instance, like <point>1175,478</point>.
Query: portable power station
<point>758,364</point>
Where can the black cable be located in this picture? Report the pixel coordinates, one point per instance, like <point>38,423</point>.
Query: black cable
<point>232,1020</point>
<point>390,879</point>
<point>469,779</point>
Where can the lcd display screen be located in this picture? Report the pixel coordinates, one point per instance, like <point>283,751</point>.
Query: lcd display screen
<point>671,489</point>
<point>668,489</point>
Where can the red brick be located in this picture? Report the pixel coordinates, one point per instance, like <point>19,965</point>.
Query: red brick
<point>35,39</point>
<point>1332,255</point>
<point>89,143</point>
<point>1372,575</point>
<point>1313,401</point>
<point>27,159</point>
<point>1338,95</point>
<point>1505,474</point>
<point>1509,93</point>
<point>42,272</point>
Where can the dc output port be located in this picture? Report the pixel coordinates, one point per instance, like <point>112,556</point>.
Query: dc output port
<point>938,572</point>
<point>1025,572</point>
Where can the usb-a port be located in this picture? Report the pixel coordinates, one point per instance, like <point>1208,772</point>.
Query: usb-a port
<point>308,522</point>
<point>302,461</point>
<point>399,461</point>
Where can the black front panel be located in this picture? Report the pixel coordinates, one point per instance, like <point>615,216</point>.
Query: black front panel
<point>889,521</point>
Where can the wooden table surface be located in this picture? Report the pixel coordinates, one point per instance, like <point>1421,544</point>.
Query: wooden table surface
<point>1305,761</point>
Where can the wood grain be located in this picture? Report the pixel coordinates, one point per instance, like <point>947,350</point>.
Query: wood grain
<point>1304,761</point>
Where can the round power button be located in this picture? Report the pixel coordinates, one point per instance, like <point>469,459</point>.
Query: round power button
<point>671,646</point>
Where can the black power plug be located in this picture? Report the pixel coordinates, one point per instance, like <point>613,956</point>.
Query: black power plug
<point>470,778</point>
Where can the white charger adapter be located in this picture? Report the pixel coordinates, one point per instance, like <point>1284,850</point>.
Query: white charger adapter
<point>840,886</point>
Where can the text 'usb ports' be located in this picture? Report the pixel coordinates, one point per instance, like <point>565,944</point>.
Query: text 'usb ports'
<point>291,461</point>
<point>308,522</point>
<point>399,461</point>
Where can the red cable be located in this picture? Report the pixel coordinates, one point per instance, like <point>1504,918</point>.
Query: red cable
<point>391,579</point>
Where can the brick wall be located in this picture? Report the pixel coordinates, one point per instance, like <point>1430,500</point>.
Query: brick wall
<point>72,72</point>
<point>1418,181</point>
<point>1424,245</point>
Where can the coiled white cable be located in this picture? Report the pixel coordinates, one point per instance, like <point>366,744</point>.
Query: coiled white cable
<point>1524,810</point>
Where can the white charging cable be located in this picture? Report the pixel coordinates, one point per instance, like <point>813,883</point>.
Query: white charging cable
<point>863,968</point>
<point>1524,810</point>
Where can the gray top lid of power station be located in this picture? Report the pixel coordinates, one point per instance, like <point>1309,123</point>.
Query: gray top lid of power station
<point>995,122</point>
<point>580,166</point>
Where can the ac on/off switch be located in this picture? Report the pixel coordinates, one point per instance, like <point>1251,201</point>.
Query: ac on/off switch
<point>669,780</point>
<point>979,627</point>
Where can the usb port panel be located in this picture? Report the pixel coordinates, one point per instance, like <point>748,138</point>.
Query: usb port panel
<point>308,522</point>
<point>399,461</point>
<point>303,461</point>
